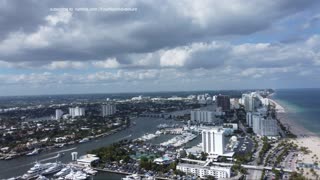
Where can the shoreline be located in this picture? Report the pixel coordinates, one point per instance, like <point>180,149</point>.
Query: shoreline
<point>305,138</point>
<point>295,128</point>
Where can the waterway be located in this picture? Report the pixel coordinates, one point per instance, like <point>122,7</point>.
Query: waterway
<point>302,106</point>
<point>19,166</point>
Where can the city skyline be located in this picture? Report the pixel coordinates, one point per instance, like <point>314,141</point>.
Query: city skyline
<point>175,46</point>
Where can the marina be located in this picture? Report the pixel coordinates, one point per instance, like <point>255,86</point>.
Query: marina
<point>179,140</point>
<point>20,165</point>
<point>57,170</point>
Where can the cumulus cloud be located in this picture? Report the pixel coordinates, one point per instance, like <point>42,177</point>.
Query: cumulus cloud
<point>65,65</point>
<point>93,35</point>
<point>175,42</point>
<point>109,63</point>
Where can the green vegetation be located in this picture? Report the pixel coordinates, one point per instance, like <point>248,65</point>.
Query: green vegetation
<point>238,168</point>
<point>287,147</point>
<point>305,150</point>
<point>297,176</point>
<point>249,130</point>
<point>114,152</point>
<point>244,158</point>
<point>256,144</point>
<point>148,164</point>
<point>208,177</point>
<point>263,174</point>
<point>267,159</point>
<point>265,148</point>
<point>203,156</point>
<point>191,156</point>
<point>277,173</point>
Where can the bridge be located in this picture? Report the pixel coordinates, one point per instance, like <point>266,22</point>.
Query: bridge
<point>206,163</point>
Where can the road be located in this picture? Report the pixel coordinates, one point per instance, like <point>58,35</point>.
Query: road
<point>231,164</point>
<point>254,174</point>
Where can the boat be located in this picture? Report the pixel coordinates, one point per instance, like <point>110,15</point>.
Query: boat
<point>78,175</point>
<point>70,175</point>
<point>132,177</point>
<point>42,178</point>
<point>90,171</point>
<point>63,172</point>
<point>34,152</point>
<point>84,140</point>
<point>60,155</point>
<point>36,170</point>
<point>56,167</point>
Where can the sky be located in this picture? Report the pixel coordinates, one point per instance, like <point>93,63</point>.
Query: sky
<point>95,46</point>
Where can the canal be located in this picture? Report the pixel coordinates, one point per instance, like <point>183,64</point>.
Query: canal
<point>19,166</point>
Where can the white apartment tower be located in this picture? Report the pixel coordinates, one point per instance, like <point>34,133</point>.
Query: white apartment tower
<point>213,141</point>
<point>77,111</point>
<point>249,119</point>
<point>202,116</point>
<point>108,109</point>
<point>59,114</point>
<point>248,102</point>
<point>264,126</point>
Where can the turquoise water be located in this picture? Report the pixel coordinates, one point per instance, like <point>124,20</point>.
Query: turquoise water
<point>302,106</point>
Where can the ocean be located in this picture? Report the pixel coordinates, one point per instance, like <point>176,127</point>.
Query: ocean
<point>302,106</point>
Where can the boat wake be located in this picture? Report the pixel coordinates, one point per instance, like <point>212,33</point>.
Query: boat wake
<point>124,137</point>
<point>50,158</point>
<point>65,150</point>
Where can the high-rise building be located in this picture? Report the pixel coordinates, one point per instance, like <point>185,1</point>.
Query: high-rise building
<point>202,116</point>
<point>248,102</point>
<point>108,109</point>
<point>269,127</point>
<point>253,101</point>
<point>77,111</point>
<point>223,101</point>
<point>59,114</point>
<point>249,119</point>
<point>264,126</point>
<point>256,123</point>
<point>213,141</point>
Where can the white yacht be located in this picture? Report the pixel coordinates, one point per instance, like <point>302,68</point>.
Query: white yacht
<point>34,152</point>
<point>70,175</point>
<point>132,177</point>
<point>36,170</point>
<point>53,169</point>
<point>84,140</point>
<point>138,177</point>
<point>63,172</point>
<point>42,178</point>
<point>78,175</point>
<point>90,171</point>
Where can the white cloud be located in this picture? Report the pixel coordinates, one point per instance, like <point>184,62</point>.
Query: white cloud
<point>109,63</point>
<point>66,65</point>
<point>59,17</point>
<point>174,57</point>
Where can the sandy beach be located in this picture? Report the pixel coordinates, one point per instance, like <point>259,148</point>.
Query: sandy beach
<point>304,138</point>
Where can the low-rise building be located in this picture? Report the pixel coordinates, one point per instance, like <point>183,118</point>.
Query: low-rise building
<point>203,171</point>
<point>88,160</point>
<point>163,160</point>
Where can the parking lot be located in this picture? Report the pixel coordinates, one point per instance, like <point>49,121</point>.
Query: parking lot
<point>245,145</point>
